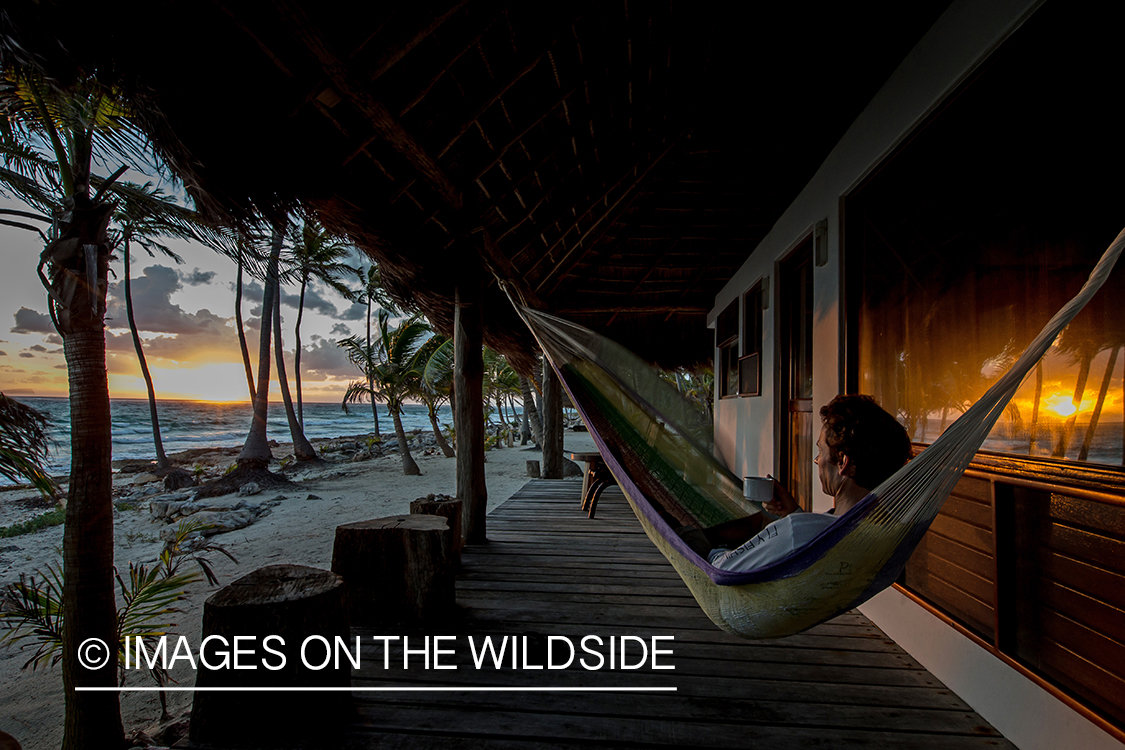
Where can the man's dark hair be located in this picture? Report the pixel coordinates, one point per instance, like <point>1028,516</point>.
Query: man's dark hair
<point>857,427</point>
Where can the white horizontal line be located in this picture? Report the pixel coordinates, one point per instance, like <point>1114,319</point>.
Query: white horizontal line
<point>500,689</point>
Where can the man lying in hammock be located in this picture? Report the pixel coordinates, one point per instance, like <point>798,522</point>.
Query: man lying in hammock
<point>859,446</point>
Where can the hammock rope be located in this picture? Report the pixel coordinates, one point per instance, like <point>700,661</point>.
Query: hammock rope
<point>656,445</point>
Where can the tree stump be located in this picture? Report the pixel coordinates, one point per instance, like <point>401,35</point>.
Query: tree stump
<point>449,508</point>
<point>533,469</point>
<point>292,602</point>
<point>398,568</point>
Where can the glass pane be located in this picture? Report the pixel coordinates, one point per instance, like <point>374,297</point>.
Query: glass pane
<point>978,229</point>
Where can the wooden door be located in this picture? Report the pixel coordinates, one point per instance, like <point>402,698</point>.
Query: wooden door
<point>795,312</point>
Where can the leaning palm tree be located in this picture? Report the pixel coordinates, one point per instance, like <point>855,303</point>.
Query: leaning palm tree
<point>51,138</point>
<point>372,293</point>
<point>24,445</point>
<point>316,255</point>
<point>144,215</point>
<point>390,370</point>
<point>435,370</point>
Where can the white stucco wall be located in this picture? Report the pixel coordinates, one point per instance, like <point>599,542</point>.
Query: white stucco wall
<point>745,430</point>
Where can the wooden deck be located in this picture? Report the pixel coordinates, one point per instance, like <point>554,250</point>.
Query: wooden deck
<point>548,570</point>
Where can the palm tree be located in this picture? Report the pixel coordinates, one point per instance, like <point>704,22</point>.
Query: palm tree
<point>143,215</point>
<point>532,418</point>
<point>371,293</point>
<point>24,445</point>
<point>244,248</point>
<point>435,365</point>
<point>302,450</point>
<point>500,382</point>
<point>391,370</point>
<point>71,126</point>
<point>316,254</point>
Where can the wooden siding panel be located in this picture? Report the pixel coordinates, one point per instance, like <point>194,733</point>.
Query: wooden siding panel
<point>971,536</point>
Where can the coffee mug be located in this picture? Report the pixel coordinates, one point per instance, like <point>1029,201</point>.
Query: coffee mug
<point>758,489</point>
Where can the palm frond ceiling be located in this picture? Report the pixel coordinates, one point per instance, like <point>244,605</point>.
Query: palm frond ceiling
<point>623,158</point>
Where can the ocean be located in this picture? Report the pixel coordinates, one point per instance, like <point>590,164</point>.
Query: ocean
<point>199,424</point>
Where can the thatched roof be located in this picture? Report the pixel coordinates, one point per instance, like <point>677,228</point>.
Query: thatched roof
<point>623,158</point>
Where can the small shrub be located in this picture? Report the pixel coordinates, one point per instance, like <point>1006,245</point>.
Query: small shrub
<point>44,521</point>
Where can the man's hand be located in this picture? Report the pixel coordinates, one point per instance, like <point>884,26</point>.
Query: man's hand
<point>783,503</point>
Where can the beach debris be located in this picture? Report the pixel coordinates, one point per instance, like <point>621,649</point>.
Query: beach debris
<point>250,488</point>
<point>314,497</point>
<point>145,478</point>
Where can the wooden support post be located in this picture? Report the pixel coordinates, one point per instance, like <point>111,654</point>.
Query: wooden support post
<point>552,424</point>
<point>468,378</point>
<point>292,602</point>
<point>398,568</point>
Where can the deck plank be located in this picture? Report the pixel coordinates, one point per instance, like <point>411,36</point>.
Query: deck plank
<point>547,570</point>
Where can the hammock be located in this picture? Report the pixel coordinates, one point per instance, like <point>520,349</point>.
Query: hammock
<point>657,448</point>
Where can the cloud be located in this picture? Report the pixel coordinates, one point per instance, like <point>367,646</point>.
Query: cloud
<point>60,367</point>
<point>197,277</point>
<point>154,309</point>
<point>341,330</point>
<point>37,348</point>
<point>314,300</point>
<point>27,355</point>
<point>325,360</point>
<point>358,311</point>
<point>29,321</point>
<point>55,339</point>
<point>3,353</point>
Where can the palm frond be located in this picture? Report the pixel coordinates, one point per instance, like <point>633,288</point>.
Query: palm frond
<point>24,444</point>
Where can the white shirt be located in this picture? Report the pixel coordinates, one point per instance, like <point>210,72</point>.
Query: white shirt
<point>773,542</point>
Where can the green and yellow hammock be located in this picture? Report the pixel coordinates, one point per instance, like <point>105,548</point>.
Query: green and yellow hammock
<point>657,447</point>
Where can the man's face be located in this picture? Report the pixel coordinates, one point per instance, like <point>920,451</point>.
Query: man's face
<point>830,478</point>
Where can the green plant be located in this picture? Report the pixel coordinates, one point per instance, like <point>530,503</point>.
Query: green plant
<point>198,470</point>
<point>32,613</point>
<point>372,441</point>
<point>44,521</point>
<point>230,468</point>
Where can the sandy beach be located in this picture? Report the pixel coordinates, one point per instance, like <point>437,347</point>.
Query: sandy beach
<point>298,526</point>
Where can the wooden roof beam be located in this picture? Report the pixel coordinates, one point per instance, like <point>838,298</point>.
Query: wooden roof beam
<point>489,101</point>
<point>628,191</point>
<point>385,124</point>
<point>409,36</point>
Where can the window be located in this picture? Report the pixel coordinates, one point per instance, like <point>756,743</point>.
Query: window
<point>726,339</point>
<point>957,249</point>
<point>750,363</point>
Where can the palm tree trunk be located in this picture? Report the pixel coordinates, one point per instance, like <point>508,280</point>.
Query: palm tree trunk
<point>1076,400</point>
<point>534,423</point>
<point>1089,438</point>
<point>370,375</point>
<point>256,450</point>
<point>93,719</point>
<point>525,428</point>
<point>409,466</point>
<point>302,450</point>
<point>162,461</point>
<point>1035,408</point>
<point>445,449</point>
<point>297,352</point>
<point>242,330</point>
